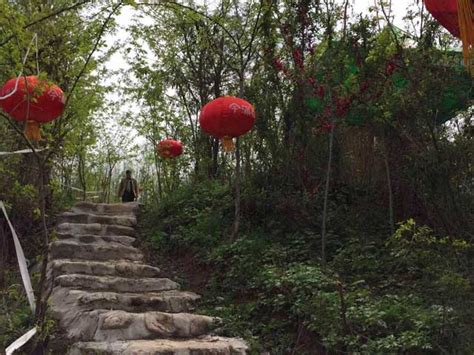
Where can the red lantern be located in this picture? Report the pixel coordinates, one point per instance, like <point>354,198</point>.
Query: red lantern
<point>169,148</point>
<point>35,101</point>
<point>227,117</point>
<point>457,16</point>
<point>446,13</point>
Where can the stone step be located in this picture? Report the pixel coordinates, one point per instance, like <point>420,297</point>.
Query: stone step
<point>87,217</point>
<point>69,249</point>
<point>96,229</point>
<point>208,345</point>
<point>108,302</point>
<point>116,284</point>
<point>119,268</point>
<point>107,325</point>
<point>98,239</point>
<point>117,209</point>
<point>167,301</point>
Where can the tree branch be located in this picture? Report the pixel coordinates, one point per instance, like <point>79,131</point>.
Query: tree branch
<point>101,32</point>
<point>78,77</point>
<point>44,18</point>
<point>196,12</point>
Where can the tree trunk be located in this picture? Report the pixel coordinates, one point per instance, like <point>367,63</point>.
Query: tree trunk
<point>326,193</point>
<point>390,195</point>
<point>42,301</point>
<point>236,224</point>
<point>82,175</point>
<point>215,155</point>
<point>3,256</point>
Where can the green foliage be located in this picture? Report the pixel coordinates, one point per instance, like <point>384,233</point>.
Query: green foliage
<point>15,312</point>
<point>410,293</point>
<point>203,207</point>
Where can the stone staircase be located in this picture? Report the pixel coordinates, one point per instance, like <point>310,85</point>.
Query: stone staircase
<point>106,301</point>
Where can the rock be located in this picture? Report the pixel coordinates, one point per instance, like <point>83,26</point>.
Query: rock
<point>98,239</point>
<point>129,326</point>
<point>201,346</point>
<point>181,325</point>
<point>107,325</point>
<point>116,320</point>
<point>120,268</point>
<point>96,229</point>
<point>167,301</point>
<point>117,209</point>
<point>105,301</point>
<point>87,217</point>
<point>115,284</point>
<point>71,249</point>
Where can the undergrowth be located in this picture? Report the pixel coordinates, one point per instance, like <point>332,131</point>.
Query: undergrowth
<point>406,293</point>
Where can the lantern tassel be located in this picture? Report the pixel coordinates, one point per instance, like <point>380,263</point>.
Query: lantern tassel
<point>228,144</point>
<point>466,29</point>
<point>32,131</point>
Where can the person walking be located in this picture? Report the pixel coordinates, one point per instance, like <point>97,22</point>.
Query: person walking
<point>128,188</point>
